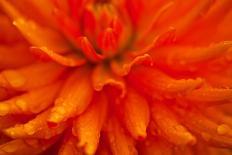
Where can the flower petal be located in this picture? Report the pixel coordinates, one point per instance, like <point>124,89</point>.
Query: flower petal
<point>122,66</point>
<point>169,127</point>
<point>103,76</point>
<point>156,146</point>
<point>74,97</point>
<point>33,32</point>
<point>31,102</point>
<point>173,57</point>
<point>22,147</point>
<point>204,127</point>
<point>136,114</point>
<point>210,95</point>
<point>69,146</point>
<point>29,77</point>
<point>71,60</point>
<point>87,127</point>
<point>157,84</point>
<point>120,142</point>
<point>16,55</point>
<point>36,128</point>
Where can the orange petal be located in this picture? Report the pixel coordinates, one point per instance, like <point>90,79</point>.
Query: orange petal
<point>157,84</point>
<point>103,76</point>
<point>22,147</point>
<point>33,32</point>
<point>169,127</point>
<point>119,141</point>
<point>207,129</point>
<point>35,128</point>
<point>29,77</point>
<point>210,95</point>
<point>71,60</point>
<point>173,57</point>
<point>31,102</point>
<point>122,66</point>
<point>87,127</point>
<point>185,22</point>
<point>74,97</point>
<point>16,55</point>
<point>136,114</point>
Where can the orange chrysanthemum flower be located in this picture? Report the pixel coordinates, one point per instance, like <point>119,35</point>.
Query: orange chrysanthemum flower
<point>121,77</point>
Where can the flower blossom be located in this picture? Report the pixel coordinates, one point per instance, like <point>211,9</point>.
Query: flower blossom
<point>120,77</point>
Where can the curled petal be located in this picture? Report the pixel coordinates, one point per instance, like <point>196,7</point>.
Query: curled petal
<point>71,60</point>
<point>74,97</point>
<point>31,102</point>
<point>88,50</point>
<point>119,141</point>
<point>103,76</point>
<point>69,146</point>
<point>136,114</point>
<point>35,128</point>
<point>122,66</point>
<point>29,77</point>
<point>169,127</point>
<point>153,23</point>
<point>22,147</point>
<point>210,95</point>
<point>87,127</point>
<point>157,84</point>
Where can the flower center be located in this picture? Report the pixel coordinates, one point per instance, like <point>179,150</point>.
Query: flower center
<point>107,32</point>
